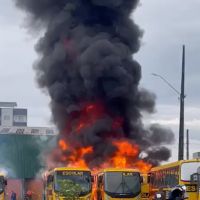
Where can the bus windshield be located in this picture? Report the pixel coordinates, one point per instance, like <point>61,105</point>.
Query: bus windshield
<point>122,184</point>
<point>77,182</point>
<point>187,169</point>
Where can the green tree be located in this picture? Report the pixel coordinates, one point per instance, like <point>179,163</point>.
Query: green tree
<point>69,189</point>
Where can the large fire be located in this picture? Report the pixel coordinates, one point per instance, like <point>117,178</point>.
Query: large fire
<point>125,150</point>
<point>75,157</point>
<point>126,154</point>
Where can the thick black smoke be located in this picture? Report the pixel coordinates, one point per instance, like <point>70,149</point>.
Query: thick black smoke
<point>86,56</point>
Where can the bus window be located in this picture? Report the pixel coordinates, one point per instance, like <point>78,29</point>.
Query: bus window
<point>120,184</point>
<point>187,169</point>
<point>81,182</point>
<point>127,184</point>
<point>66,182</point>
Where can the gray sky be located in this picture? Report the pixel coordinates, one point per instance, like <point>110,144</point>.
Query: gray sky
<point>167,24</point>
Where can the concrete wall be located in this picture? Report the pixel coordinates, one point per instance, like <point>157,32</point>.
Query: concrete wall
<point>16,185</point>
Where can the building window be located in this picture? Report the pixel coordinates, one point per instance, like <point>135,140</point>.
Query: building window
<point>20,118</point>
<point>6,117</point>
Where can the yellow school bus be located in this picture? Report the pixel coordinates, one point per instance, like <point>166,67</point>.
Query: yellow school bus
<point>115,184</point>
<point>3,183</point>
<point>167,176</point>
<point>68,183</point>
<point>145,187</point>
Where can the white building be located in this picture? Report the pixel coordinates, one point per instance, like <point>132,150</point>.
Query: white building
<point>12,116</point>
<point>13,120</point>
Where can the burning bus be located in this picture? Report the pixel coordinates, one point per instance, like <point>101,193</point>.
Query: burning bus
<point>68,183</point>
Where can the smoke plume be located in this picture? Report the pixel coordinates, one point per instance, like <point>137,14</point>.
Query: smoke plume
<point>87,66</point>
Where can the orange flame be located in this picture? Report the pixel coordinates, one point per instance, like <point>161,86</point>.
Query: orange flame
<point>77,159</point>
<point>63,145</point>
<point>76,156</point>
<point>86,150</point>
<point>126,154</point>
<point>143,166</point>
<point>126,149</point>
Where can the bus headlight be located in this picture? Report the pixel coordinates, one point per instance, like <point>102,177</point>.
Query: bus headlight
<point>184,187</point>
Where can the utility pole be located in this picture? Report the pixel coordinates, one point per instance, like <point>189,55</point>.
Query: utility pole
<point>187,143</point>
<point>182,97</point>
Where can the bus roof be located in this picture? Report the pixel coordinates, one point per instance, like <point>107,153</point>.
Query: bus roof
<point>174,164</point>
<point>118,170</point>
<point>70,169</point>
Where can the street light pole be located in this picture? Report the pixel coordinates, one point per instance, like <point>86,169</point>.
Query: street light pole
<point>182,97</point>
